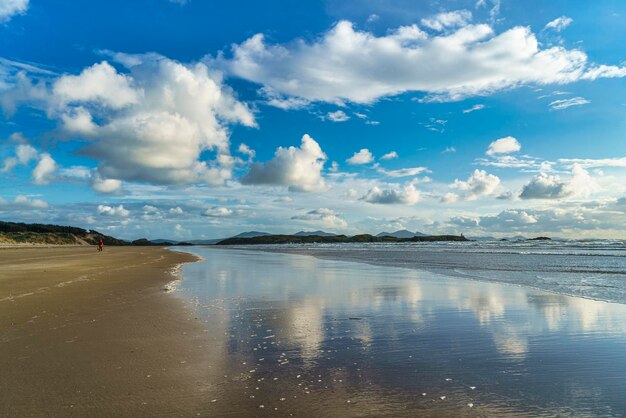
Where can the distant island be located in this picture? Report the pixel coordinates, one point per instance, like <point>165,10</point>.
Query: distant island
<point>308,239</point>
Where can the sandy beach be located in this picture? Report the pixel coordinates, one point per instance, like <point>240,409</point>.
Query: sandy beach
<point>83,333</point>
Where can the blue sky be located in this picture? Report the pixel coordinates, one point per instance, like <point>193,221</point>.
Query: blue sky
<point>187,119</point>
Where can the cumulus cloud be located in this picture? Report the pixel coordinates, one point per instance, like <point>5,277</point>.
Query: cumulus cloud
<point>222,212</point>
<point>407,195</point>
<point>480,183</point>
<point>22,202</point>
<point>449,198</point>
<point>24,154</point>
<point>472,60</point>
<point>559,23</point>
<point>105,185</point>
<point>325,216</point>
<point>100,83</point>
<point>565,103</point>
<point>113,211</point>
<point>557,220</point>
<point>10,8</point>
<point>338,116</point>
<point>155,121</point>
<point>448,20</point>
<point>176,211</point>
<point>389,156</point>
<point>546,186</point>
<point>247,151</point>
<point>298,168</point>
<point>504,145</point>
<point>42,173</point>
<point>364,156</point>
<point>507,221</point>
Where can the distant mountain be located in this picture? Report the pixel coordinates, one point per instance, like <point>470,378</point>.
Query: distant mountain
<point>251,234</point>
<point>205,241</point>
<point>163,241</point>
<point>292,239</point>
<point>314,233</point>
<point>401,234</point>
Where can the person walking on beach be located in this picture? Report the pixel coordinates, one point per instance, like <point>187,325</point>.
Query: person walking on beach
<point>100,246</point>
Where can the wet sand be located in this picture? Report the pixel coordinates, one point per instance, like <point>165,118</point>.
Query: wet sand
<point>88,334</point>
<point>295,335</point>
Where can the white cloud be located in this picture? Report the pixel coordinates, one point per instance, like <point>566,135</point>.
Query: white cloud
<point>364,156</point>
<point>546,186</point>
<point>221,212</point>
<point>448,20</point>
<point>22,202</point>
<point>246,150</point>
<point>102,185</point>
<point>449,198</point>
<point>10,8</point>
<point>559,23</point>
<point>176,211</point>
<point>327,217</point>
<point>473,60</point>
<point>436,125</point>
<point>100,83</point>
<point>480,183</point>
<point>42,173</point>
<point>508,219</point>
<point>78,121</point>
<point>298,168</point>
<point>273,98</point>
<point>372,18</point>
<point>113,211</point>
<point>403,172</point>
<point>24,153</point>
<point>389,156</point>
<point>565,103</point>
<point>505,145</point>
<point>592,163</point>
<point>604,71</point>
<point>338,116</point>
<point>154,122</point>
<point>474,108</point>
<point>8,164</point>
<point>448,150</point>
<point>407,195</point>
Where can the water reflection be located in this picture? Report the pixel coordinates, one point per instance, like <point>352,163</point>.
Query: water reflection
<point>328,335</point>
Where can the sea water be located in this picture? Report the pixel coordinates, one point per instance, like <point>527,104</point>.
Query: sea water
<point>303,335</point>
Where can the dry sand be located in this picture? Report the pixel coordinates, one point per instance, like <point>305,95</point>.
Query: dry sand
<point>83,333</point>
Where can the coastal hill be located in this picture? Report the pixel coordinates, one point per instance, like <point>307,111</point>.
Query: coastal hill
<point>20,233</point>
<point>314,234</point>
<point>303,239</point>
<point>401,234</point>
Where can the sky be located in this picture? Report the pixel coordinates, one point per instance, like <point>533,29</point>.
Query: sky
<point>186,119</point>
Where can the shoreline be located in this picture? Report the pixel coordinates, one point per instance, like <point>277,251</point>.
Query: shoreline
<point>83,333</point>
<point>447,272</point>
